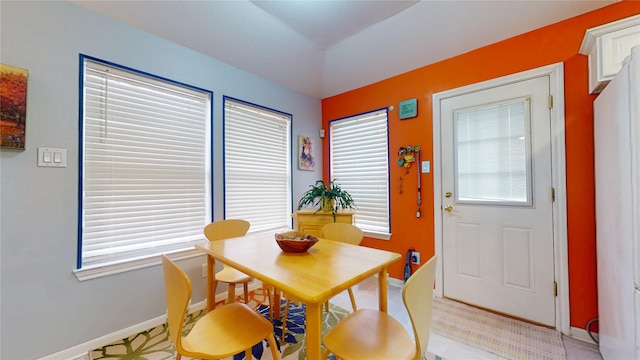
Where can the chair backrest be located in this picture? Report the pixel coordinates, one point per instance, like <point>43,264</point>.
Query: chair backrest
<point>417,295</point>
<point>225,229</point>
<point>177,287</point>
<point>342,232</point>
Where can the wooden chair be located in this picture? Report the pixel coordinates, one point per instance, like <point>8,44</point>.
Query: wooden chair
<point>369,334</point>
<point>223,332</point>
<point>342,232</point>
<point>225,229</point>
<point>345,233</point>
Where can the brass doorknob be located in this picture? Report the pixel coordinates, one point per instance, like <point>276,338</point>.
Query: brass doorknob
<point>448,208</point>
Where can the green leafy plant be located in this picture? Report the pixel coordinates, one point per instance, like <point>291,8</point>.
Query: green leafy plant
<point>328,198</point>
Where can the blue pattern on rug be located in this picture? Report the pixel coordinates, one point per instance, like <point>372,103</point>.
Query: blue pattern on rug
<point>154,344</point>
<point>295,331</point>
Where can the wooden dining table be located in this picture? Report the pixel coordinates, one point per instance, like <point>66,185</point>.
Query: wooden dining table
<point>312,277</point>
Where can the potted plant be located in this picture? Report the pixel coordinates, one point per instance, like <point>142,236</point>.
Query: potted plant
<point>328,198</point>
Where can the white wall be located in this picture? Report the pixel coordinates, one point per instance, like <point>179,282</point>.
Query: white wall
<point>44,308</point>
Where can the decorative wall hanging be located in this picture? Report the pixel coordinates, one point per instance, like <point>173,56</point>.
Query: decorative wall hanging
<point>13,107</point>
<point>406,157</point>
<point>306,160</point>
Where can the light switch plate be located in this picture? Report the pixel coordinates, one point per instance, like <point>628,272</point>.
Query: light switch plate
<point>52,157</point>
<point>426,167</point>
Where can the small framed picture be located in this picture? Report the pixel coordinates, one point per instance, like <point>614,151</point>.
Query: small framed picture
<point>13,107</point>
<point>306,160</point>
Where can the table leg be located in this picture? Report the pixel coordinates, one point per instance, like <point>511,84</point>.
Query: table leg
<point>211,296</point>
<point>314,330</point>
<point>382,290</point>
<point>276,303</point>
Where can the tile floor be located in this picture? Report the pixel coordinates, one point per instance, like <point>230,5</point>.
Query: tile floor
<point>367,297</point>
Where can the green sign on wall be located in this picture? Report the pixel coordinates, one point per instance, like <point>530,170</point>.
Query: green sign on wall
<point>408,108</point>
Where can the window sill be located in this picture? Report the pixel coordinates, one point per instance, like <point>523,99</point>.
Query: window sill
<point>377,235</point>
<point>116,268</point>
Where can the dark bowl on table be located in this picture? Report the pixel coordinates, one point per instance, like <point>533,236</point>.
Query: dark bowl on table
<point>295,242</point>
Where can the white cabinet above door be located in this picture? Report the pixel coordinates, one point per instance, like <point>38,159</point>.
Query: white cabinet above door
<point>607,46</point>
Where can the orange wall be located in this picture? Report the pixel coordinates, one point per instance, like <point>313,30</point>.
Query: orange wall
<point>559,42</point>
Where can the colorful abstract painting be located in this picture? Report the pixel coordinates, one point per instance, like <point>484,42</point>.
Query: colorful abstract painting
<point>306,160</point>
<point>13,106</point>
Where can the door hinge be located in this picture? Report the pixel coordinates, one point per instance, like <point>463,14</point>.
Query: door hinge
<point>550,101</point>
<point>555,289</point>
<point>553,194</point>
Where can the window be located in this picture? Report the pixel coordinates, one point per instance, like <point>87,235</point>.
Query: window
<point>492,154</point>
<point>144,175</point>
<point>257,165</point>
<point>359,162</point>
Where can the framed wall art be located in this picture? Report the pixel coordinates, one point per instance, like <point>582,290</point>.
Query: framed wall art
<point>13,107</point>
<point>306,159</point>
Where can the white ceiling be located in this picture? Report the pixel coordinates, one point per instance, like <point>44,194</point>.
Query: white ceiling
<point>326,47</point>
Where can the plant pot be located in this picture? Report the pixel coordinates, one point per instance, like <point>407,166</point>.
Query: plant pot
<point>327,205</point>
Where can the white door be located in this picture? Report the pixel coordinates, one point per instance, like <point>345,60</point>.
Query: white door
<point>497,220</point>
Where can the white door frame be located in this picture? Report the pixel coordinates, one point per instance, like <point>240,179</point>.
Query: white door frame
<point>558,172</point>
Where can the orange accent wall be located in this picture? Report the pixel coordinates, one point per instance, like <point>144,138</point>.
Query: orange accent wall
<point>555,43</point>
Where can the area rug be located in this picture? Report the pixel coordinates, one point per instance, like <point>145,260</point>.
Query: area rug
<point>505,337</point>
<point>155,344</point>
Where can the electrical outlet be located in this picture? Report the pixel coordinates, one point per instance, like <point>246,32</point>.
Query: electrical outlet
<point>415,257</point>
<point>204,270</point>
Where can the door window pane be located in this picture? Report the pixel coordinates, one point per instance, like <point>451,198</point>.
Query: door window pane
<point>492,157</point>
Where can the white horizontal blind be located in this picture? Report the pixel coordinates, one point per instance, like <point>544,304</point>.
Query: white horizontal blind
<point>360,164</point>
<point>492,146</point>
<point>257,155</point>
<point>145,164</point>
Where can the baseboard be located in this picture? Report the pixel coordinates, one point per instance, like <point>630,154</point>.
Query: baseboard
<point>395,282</point>
<point>581,334</point>
<point>82,351</point>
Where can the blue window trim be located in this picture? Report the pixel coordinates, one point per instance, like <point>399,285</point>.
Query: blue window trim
<point>385,109</point>
<point>291,153</point>
<point>82,58</point>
